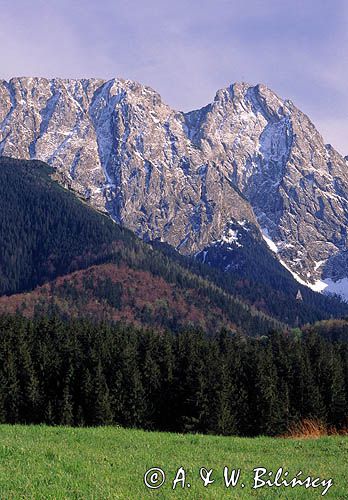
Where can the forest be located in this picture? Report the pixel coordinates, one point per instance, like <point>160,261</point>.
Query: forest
<point>87,344</point>
<point>84,373</point>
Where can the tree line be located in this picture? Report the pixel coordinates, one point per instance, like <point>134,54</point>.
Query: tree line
<point>85,374</point>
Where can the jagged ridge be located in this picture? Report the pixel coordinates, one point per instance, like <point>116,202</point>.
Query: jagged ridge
<point>183,177</point>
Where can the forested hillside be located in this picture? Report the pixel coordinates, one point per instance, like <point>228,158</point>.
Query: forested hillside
<point>119,293</point>
<point>46,232</point>
<point>252,272</point>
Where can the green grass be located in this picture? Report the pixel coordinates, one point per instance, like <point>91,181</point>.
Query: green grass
<point>100,463</point>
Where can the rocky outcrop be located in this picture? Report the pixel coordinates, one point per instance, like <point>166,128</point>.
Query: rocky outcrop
<point>183,177</point>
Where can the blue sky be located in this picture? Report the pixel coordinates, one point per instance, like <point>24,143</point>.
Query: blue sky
<point>187,49</point>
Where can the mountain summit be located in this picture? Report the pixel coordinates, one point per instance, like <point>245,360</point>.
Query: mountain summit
<point>184,178</point>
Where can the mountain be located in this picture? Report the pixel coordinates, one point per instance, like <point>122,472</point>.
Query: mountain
<point>59,254</point>
<point>184,178</point>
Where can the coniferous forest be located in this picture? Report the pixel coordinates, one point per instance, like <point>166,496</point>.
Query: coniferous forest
<point>106,329</point>
<point>80,373</point>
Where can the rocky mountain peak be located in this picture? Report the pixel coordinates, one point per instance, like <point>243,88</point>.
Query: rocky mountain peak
<point>183,177</point>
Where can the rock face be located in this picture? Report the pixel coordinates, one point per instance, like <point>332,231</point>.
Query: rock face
<point>183,177</point>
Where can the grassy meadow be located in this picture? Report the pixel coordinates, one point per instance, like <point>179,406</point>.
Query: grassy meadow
<point>99,463</point>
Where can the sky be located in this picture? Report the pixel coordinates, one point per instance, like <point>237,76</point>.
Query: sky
<point>187,49</point>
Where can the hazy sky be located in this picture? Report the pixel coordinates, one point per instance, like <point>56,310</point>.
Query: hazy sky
<point>187,49</point>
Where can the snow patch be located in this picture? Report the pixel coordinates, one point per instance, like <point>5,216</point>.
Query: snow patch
<point>327,286</point>
<point>318,264</point>
<point>244,223</point>
<point>317,286</point>
<point>231,236</point>
<point>339,287</point>
<point>271,245</point>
